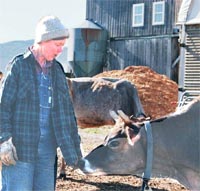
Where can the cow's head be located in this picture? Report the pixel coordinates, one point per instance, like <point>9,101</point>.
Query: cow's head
<point>122,152</point>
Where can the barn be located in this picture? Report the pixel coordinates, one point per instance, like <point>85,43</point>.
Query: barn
<point>161,34</point>
<point>140,33</point>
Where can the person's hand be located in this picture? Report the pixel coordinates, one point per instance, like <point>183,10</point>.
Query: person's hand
<point>8,154</point>
<point>79,164</point>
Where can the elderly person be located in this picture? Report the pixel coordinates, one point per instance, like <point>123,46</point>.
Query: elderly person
<point>36,113</point>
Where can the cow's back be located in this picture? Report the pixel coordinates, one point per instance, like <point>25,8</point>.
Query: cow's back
<point>92,105</point>
<point>179,134</point>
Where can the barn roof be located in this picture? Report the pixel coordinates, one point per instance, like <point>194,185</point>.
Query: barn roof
<point>189,12</point>
<point>89,25</point>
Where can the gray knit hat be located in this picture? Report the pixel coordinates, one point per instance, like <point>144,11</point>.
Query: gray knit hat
<point>49,28</point>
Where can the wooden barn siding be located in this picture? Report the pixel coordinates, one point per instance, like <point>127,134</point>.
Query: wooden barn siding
<point>116,17</point>
<point>157,53</point>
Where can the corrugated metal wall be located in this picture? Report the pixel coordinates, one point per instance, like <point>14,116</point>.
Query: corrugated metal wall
<point>192,59</point>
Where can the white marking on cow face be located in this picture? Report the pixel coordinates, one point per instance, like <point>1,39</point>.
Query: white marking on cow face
<point>87,166</point>
<point>89,170</point>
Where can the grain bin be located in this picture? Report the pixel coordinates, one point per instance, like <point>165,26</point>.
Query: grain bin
<point>87,49</point>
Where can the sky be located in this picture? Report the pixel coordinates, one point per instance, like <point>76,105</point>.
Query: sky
<point>18,18</point>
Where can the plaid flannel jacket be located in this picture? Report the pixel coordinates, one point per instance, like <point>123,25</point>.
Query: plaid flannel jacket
<point>19,111</point>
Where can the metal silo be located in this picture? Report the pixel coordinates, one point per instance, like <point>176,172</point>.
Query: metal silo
<point>87,49</point>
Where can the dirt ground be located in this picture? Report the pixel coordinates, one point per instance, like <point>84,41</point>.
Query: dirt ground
<point>77,182</point>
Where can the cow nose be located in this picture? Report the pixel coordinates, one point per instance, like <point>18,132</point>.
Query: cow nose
<point>85,166</point>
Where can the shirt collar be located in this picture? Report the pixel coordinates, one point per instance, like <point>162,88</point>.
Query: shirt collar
<point>47,66</point>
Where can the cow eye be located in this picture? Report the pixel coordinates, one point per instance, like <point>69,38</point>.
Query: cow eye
<point>113,144</point>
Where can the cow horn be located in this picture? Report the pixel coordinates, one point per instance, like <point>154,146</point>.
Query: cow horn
<point>114,115</point>
<point>123,116</point>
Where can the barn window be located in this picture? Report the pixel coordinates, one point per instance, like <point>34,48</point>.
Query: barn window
<point>138,15</point>
<point>158,13</point>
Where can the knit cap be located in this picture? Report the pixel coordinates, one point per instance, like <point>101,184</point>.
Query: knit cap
<point>50,28</point>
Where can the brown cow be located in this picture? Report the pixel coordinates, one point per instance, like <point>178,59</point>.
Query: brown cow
<point>176,148</point>
<point>93,98</point>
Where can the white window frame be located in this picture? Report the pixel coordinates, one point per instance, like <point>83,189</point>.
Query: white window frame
<point>162,13</point>
<point>134,24</point>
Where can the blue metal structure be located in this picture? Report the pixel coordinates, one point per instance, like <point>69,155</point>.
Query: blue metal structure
<point>87,49</point>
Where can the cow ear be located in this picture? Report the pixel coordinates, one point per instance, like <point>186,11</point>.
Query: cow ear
<point>131,136</point>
